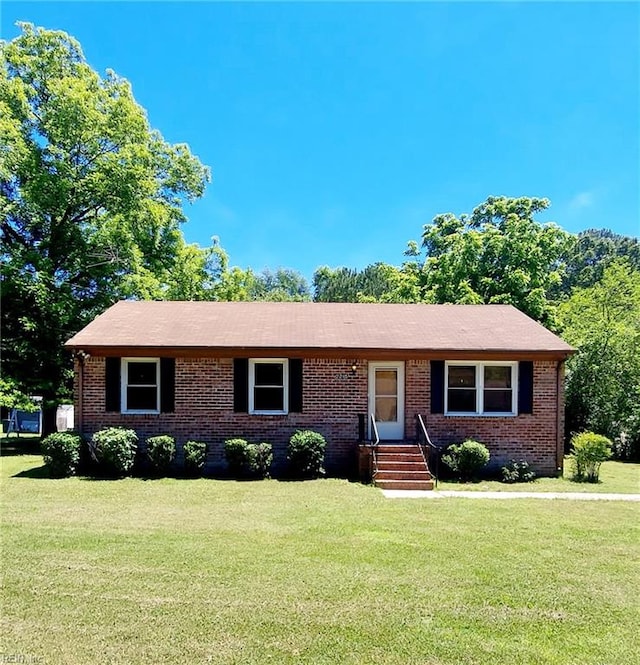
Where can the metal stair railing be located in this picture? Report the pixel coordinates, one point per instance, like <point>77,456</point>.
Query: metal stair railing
<point>375,440</point>
<point>427,447</point>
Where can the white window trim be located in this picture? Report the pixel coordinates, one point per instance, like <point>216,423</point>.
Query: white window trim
<point>124,366</point>
<point>479,367</point>
<point>285,378</point>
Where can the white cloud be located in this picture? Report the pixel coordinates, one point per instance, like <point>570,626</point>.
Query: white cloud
<point>581,201</point>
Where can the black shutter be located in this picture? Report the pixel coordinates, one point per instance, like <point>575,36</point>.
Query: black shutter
<point>295,385</point>
<point>112,384</point>
<point>167,384</point>
<point>241,385</point>
<point>437,386</point>
<point>525,386</point>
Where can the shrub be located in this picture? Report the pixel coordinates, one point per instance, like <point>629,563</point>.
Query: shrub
<point>161,451</point>
<point>114,448</point>
<point>588,451</point>
<point>261,459</point>
<point>235,452</point>
<point>305,454</point>
<point>248,460</point>
<point>61,452</point>
<point>195,456</point>
<point>466,459</point>
<point>517,472</point>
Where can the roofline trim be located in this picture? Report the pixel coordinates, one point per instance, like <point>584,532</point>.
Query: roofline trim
<point>323,352</point>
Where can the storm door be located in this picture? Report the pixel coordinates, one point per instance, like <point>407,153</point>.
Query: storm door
<point>386,399</point>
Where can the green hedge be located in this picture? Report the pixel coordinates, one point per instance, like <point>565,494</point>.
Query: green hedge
<point>248,460</point>
<point>114,449</point>
<point>61,452</point>
<point>161,452</point>
<point>466,459</point>
<point>305,454</point>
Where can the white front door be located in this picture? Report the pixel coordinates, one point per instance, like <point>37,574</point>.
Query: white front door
<point>386,398</point>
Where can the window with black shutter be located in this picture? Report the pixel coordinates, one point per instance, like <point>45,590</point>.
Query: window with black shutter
<point>268,386</point>
<point>140,385</point>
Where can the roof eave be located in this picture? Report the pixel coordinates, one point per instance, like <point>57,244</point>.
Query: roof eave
<point>320,352</point>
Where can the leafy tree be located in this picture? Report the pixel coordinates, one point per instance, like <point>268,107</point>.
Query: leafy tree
<point>283,285</point>
<point>11,397</point>
<point>280,285</point>
<point>90,205</point>
<point>335,285</point>
<point>498,254</point>
<point>603,377</point>
<point>378,282</point>
<point>235,285</point>
<point>196,273</point>
<point>594,251</point>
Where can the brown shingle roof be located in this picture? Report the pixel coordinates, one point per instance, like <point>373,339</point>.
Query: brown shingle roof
<point>227,326</point>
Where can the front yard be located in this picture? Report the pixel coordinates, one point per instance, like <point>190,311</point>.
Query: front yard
<point>204,571</point>
<point>615,477</point>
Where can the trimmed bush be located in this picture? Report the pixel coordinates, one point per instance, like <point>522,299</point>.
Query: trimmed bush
<point>517,472</point>
<point>305,454</point>
<point>161,451</point>
<point>466,459</point>
<point>61,452</point>
<point>248,460</point>
<point>195,456</point>
<point>235,452</point>
<point>114,448</point>
<point>588,451</point>
<point>261,455</point>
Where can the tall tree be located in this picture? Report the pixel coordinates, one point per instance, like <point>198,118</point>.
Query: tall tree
<point>281,285</point>
<point>90,203</point>
<point>603,377</point>
<point>378,282</point>
<point>498,254</point>
<point>593,252</point>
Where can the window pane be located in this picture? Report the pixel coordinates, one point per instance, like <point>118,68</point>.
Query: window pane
<point>462,400</point>
<point>268,399</point>
<point>498,401</point>
<point>497,377</point>
<point>269,374</point>
<point>462,376</point>
<point>386,382</point>
<point>141,373</point>
<point>386,409</point>
<point>142,399</point>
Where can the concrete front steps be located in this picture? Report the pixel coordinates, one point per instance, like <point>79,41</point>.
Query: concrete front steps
<point>401,466</point>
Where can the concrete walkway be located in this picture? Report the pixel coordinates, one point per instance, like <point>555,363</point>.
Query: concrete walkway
<point>573,496</point>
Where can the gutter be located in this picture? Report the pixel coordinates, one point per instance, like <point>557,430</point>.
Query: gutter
<point>81,357</point>
<point>559,418</point>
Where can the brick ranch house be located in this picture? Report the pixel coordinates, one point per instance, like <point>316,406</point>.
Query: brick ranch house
<point>260,370</point>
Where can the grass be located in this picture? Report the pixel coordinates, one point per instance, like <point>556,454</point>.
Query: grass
<point>615,477</point>
<point>204,571</point>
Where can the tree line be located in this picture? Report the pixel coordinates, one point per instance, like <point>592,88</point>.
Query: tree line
<point>91,210</point>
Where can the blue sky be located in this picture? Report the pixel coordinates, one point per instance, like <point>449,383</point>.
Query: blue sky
<point>335,131</point>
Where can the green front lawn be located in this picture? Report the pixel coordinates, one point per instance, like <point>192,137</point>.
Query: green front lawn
<point>615,477</point>
<point>204,571</point>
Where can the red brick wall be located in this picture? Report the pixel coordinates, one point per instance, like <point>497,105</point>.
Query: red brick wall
<point>532,437</point>
<point>332,398</point>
